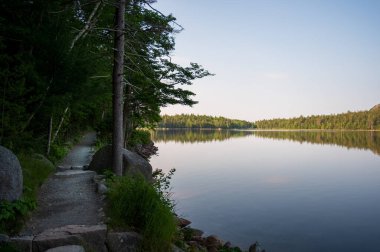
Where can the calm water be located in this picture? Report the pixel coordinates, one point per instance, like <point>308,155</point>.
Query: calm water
<point>291,191</point>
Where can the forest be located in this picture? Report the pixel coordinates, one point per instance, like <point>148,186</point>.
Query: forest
<point>362,120</point>
<point>203,121</point>
<point>56,60</point>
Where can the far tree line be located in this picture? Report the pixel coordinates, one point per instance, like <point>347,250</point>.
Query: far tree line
<point>361,120</point>
<point>203,121</point>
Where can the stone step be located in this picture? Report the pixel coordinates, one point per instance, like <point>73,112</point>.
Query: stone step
<point>70,173</point>
<point>92,237</point>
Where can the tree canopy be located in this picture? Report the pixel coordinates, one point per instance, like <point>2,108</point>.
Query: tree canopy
<point>56,65</point>
<point>362,120</point>
<point>203,121</point>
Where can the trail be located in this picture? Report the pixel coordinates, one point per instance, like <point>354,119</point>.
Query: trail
<point>68,197</point>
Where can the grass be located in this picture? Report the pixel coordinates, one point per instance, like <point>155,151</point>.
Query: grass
<point>35,168</point>
<point>136,205</point>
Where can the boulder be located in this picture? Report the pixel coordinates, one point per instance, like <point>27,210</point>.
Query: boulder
<point>10,175</point>
<point>68,248</point>
<point>123,241</point>
<point>182,222</point>
<point>4,238</point>
<point>213,243</point>
<point>176,249</point>
<point>132,163</point>
<point>91,237</point>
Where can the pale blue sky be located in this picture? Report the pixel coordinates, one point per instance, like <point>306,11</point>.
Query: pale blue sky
<point>280,58</point>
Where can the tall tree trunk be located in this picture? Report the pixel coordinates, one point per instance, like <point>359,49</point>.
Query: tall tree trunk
<point>60,124</point>
<point>117,82</point>
<point>128,113</point>
<point>49,135</point>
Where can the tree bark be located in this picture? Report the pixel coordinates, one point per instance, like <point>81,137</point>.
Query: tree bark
<point>117,83</point>
<point>127,124</point>
<point>60,124</point>
<point>49,135</point>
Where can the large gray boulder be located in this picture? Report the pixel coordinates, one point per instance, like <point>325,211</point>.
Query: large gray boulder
<point>132,163</point>
<point>10,175</point>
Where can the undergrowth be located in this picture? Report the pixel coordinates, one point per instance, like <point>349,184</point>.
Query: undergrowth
<point>135,204</point>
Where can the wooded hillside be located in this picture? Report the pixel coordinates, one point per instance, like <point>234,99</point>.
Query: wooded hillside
<point>365,120</point>
<point>203,121</point>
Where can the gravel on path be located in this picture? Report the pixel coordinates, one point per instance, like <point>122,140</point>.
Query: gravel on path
<point>68,197</point>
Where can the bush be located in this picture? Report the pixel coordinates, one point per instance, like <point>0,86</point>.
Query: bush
<point>35,168</point>
<point>13,213</point>
<point>135,204</point>
<point>139,137</point>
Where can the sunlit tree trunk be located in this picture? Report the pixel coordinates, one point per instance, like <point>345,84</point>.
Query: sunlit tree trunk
<point>117,82</point>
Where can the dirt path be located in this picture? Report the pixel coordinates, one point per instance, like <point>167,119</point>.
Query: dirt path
<point>68,197</point>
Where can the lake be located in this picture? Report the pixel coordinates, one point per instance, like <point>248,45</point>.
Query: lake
<point>290,190</point>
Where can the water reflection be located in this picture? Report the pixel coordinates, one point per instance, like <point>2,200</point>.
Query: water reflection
<point>196,135</point>
<point>366,140</point>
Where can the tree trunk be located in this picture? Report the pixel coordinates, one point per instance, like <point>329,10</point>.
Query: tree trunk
<point>128,113</point>
<point>117,82</point>
<point>49,136</point>
<point>60,124</point>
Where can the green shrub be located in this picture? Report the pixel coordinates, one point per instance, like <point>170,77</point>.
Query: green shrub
<point>35,168</point>
<point>139,137</point>
<point>58,152</point>
<point>135,204</point>
<point>13,213</point>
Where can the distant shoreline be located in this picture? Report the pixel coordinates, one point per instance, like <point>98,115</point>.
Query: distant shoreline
<point>284,130</point>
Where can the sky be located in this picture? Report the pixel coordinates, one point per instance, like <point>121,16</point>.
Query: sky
<point>279,59</point>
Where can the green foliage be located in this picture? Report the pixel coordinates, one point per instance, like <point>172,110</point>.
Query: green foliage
<point>35,168</point>
<point>13,213</point>
<point>57,152</point>
<point>140,137</point>
<point>135,204</point>
<point>203,121</point>
<point>362,120</point>
<point>162,185</point>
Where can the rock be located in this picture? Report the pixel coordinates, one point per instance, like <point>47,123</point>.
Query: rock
<point>146,150</point>
<point>198,239</point>
<point>4,238</point>
<point>74,173</point>
<point>68,248</point>
<point>77,168</point>
<point>101,188</point>
<point>61,168</point>
<point>22,243</point>
<point>183,222</point>
<point>254,247</point>
<point>132,163</point>
<point>123,241</point>
<point>91,237</point>
<point>227,245</point>
<point>213,243</point>
<point>196,232</point>
<point>176,249</point>
<point>10,175</point>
